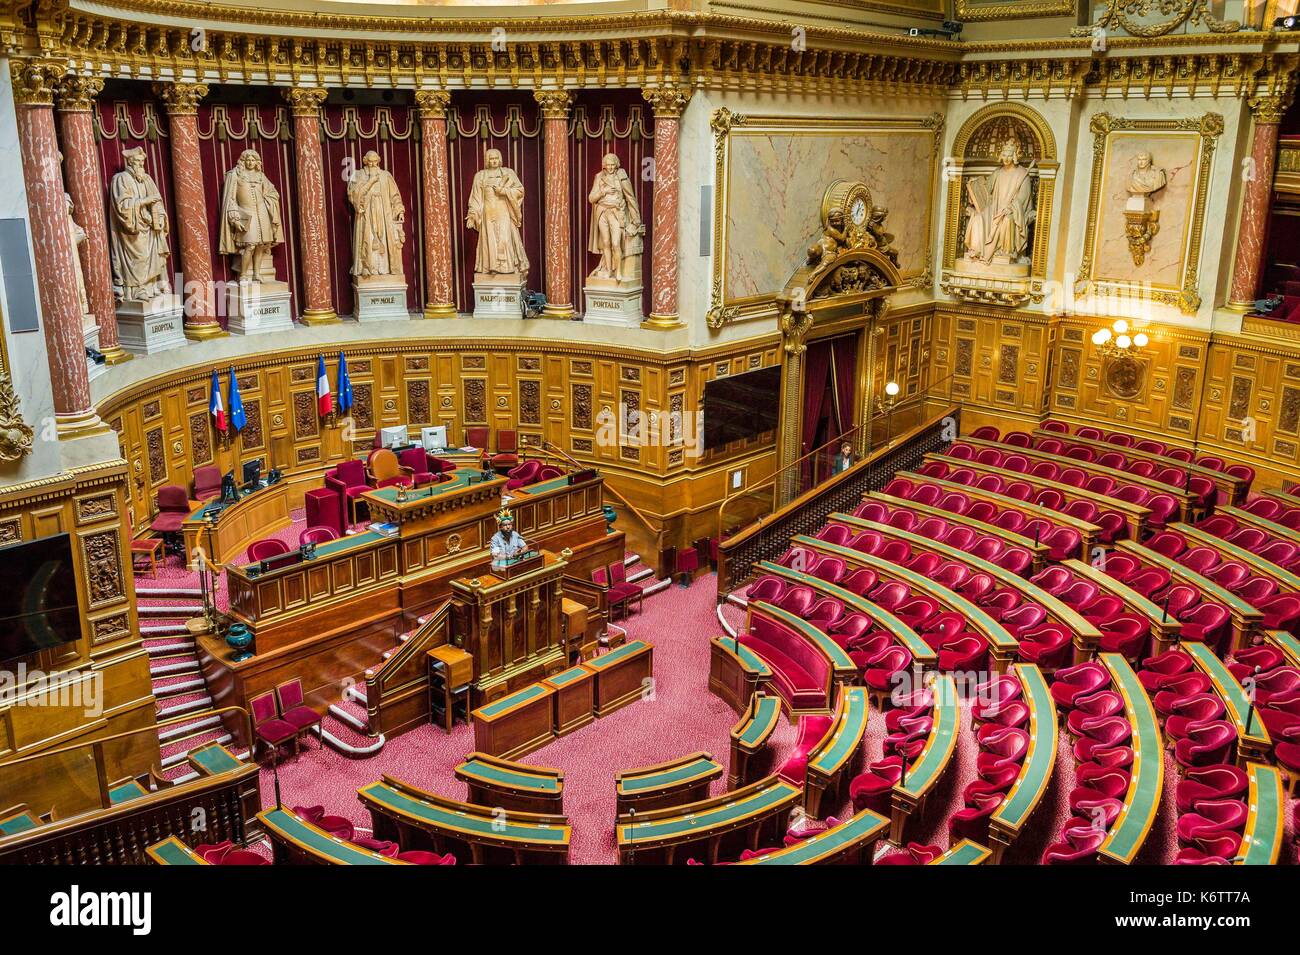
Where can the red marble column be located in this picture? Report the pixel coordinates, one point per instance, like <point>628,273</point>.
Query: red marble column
<point>668,104</point>
<point>182,101</point>
<point>318,290</point>
<point>52,248</point>
<point>555,164</point>
<point>1253,229</point>
<point>76,98</point>
<point>436,213</point>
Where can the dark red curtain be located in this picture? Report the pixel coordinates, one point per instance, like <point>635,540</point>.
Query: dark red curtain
<point>225,131</point>
<point>349,131</point>
<point>844,360</point>
<point>817,404</point>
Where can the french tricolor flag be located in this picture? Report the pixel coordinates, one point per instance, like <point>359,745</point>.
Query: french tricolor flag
<point>324,400</point>
<point>216,406</point>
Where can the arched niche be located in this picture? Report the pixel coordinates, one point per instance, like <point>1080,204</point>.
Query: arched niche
<point>976,156</point>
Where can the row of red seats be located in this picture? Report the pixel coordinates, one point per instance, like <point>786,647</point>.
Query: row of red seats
<point>1211,802</point>
<point>1274,685</point>
<point>1263,544</point>
<point>907,723</point>
<point>1003,742</point>
<point>1202,619</point>
<point>1193,714</point>
<point>1121,632</point>
<point>341,828</point>
<point>1271,509</point>
<point>986,547</point>
<point>1125,440</point>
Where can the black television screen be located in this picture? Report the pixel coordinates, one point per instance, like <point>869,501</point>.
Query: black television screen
<point>741,407</point>
<point>38,596</point>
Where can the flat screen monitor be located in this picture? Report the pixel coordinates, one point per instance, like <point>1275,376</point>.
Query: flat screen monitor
<point>435,438</point>
<point>394,437</point>
<point>38,596</point>
<point>252,471</point>
<point>741,407</point>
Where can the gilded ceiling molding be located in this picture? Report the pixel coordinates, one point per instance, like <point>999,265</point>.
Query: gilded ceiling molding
<point>306,100</point>
<point>1127,15</point>
<point>974,11</point>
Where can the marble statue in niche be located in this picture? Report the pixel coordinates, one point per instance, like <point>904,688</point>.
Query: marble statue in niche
<point>1141,218</point>
<point>1000,206</point>
<point>378,232</point>
<point>138,233</point>
<point>616,227</point>
<point>496,203</point>
<point>78,240</point>
<point>250,219</point>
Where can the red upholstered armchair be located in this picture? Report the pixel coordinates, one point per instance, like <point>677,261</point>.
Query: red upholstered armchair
<point>477,437</point>
<point>294,709</point>
<point>207,483</point>
<point>523,475</point>
<point>416,461</point>
<point>173,508</point>
<point>268,727</point>
<point>507,455</point>
<point>267,548</point>
<point>349,479</point>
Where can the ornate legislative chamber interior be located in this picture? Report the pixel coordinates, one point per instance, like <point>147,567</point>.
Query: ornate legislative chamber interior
<point>417,401</point>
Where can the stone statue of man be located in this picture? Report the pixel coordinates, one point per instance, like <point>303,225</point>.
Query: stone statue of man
<point>1001,207</point>
<point>377,232</point>
<point>616,228</point>
<point>496,205</point>
<point>137,239</point>
<point>250,219</point>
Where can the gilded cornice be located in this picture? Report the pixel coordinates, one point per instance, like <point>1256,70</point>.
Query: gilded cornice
<point>306,100</point>
<point>76,94</point>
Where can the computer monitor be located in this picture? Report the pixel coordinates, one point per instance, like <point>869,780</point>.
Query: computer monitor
<point>435,438</point>
<point>394,437</point>
<point>252,472</point>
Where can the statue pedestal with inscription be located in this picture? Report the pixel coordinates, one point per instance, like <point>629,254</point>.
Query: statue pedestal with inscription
<point>609,302</point>
<point>256,308</point>
<point>146,328</point>
<point>380,300</point>
<point>495,298</point>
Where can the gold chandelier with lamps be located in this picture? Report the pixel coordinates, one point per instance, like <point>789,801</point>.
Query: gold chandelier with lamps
<point>1120,340</point>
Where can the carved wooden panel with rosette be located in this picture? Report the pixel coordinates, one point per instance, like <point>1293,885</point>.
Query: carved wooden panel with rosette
<point>363,412</point>
<point>200,438</point>
<point>251,435</point>
<point>417,402</point>
<point>581,416</point>
<point>102,561</point>
<point>305,422</point>
<point>475,400</point>
<point>157,456</point>
<point>530,402</point>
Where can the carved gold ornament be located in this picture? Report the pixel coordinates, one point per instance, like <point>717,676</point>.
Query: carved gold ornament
<point>1128,15</point>
<point>1140,228</point>
<point>15,434</point>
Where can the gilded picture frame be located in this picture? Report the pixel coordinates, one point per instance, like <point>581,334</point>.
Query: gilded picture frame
<point>1185,294</point>
<point>726,124</point>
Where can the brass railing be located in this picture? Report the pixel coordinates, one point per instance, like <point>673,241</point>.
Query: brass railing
<point>768,538</point>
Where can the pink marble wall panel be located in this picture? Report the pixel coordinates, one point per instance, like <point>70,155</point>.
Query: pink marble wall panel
<point>663,269</point>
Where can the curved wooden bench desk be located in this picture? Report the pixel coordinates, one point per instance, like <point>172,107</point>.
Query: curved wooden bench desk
<point>1165,628</point>
<point>171,851</point>
<point>839,753</point>
<point>493,781</point>
<point>1135,516</point>
<point>256,514</point>
<point>750,735</point>
<point>736,672</point>
<point>1010,538</point>
<point>1287,582</point>
<point>296,841</point>
<point>1287,643</point>
<point>416,819</point>
<point>1280,531</point>
<point>1253,740</point>
<point>1086,634</point>
<point>904,635</point>
<point>672,783</point>
<point>1245,618</point>
<point>965,852</point>
<point>849,843</point>
<point>1002,645</point>
<point>1088,531</point>
<point>1261,841</point>
<point>751,812</point>
<point>1142,800</point>
<point>1026,793</point>
<point>909,793</point>
<point>806,664</point>
<point>622,675</point>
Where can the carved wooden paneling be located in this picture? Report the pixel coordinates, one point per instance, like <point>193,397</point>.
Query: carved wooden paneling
<point>306,421</point>
<point>157,456</point>
<point>475,407</point>
<point>251,435</point>
<point>200,438</point>
<point>581,415</point>
<point>530,402</point>
<point>417,401</point>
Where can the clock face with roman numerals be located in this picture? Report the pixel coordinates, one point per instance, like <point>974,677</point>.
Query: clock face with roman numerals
<point>858,211</point>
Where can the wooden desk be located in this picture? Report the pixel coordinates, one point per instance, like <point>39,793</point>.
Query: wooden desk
<point>492,781</point>
<point>1261,842</point>
<point>922,653</point>
<point>451,670</point>
<point>1288,583</point>
<point>1253,742</point>
<point>656,837</point>
<point>736,672</point>
<point>22,821</point>
<point>1165,628</point>
<point>416,819</point>
<point>294,841</point>
<point>840,753</point>
<point>843,669</point>
<point>908,796</point>
<point>622,676</point>
<point>965,852</point>
<point>1280,531</point>
<point>255,515</point>
<point>1087,530</point>
<point>1288,644</point>
<point>438,507</point>
<point>516,724</point>
<point>750,735</point>
<point>849,843</point>
<point>171,851</point>
<point>1002,645</point>
<point>1010,538</point>
<point>575,698</point>
<point>1142,800</point>
<point>1025,794</point>
<point>672,783</point>
<point>1245,618</point>
<point>213,759</point>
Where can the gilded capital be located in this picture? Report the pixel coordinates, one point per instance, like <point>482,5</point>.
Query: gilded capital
<point>667,101</point>
<point>181,98</point>
<point>306,100</point>
<point>76,94</point>
<point>555,103</point>
<point>1269,110</point>
<point>433,103</point>
<point>34,80</point>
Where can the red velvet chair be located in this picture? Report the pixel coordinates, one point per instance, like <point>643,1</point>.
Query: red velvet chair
<point>811,731</point>
<point>1099,704</point>
<point>317,535</point>
<point>1192,711</point>
<point>872,789</point>
<point>207,482</point>
<point>173,509</point>
<point>1206,743</point>
<point>477,437</point>
<point>269,728</point>
<point>507,453</point>
<point>225,853</point>
<point>294,709</point>
<point>1078,680</point>
<point>349,479</point>
<point>266,548</point>
<point>769,589</point>
<point>618,578</point>
<point>416,461</point>
<point>523,475</point>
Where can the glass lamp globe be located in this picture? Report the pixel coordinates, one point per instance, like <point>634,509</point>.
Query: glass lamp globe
<point>1140,340</point>
<point>1120,326</point>
<point>891,389</point>
<point>1123,341</point>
